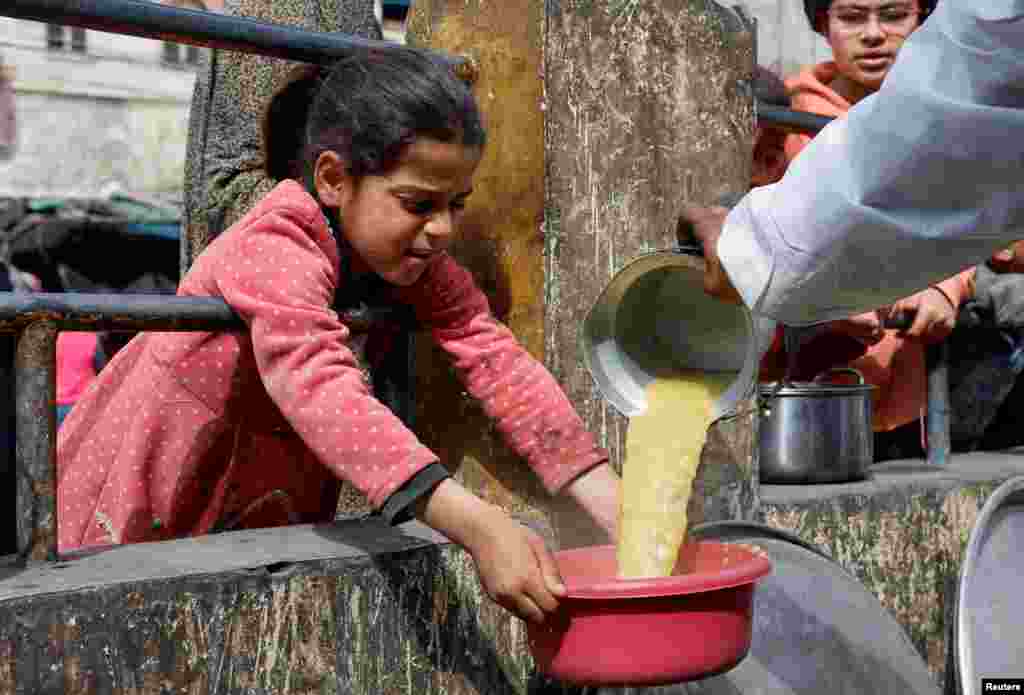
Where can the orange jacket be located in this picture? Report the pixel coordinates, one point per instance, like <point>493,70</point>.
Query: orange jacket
<point>896,366</point>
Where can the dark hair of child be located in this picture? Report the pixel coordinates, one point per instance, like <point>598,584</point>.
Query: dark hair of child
<point>367,107</point>
<point>817,12</point>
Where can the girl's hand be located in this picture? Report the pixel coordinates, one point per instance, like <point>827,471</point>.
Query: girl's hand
<point>934,315</point>
<point>517,570</point>
<point>598,492</point>
<point>515,567</point>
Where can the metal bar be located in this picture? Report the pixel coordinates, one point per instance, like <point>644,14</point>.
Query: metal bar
<point>36,462</point>
<point>38,318</point>
<point>125,312</point>
<point>198,28</point>
<point>937,418</point>
<point>790,120</point>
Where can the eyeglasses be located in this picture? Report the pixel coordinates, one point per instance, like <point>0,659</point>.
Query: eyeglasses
<point>896,19</point>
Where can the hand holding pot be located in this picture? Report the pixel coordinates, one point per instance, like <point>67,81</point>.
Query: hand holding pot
<point>707,223</point>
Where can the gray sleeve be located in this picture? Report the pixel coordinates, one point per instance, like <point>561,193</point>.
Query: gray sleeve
<point>398,507</point>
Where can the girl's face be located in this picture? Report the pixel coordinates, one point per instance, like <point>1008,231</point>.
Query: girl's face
<point>397,222</point>
<point>866,35</point>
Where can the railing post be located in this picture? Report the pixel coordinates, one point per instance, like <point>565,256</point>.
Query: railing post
<point>36,459</point>
<point>937,419</point>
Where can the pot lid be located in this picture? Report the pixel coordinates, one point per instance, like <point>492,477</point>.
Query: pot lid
<point>817,628</point>
<point>988,627</point>
<point>812,388</point>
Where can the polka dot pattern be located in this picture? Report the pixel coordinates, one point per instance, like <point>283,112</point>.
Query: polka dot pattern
<point>184,432</point>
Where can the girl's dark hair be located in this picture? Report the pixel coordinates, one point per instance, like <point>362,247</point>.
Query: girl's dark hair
<point>367,107</point>
<point>817,11</point>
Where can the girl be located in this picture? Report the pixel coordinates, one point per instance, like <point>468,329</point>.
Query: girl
<point>186,433</point>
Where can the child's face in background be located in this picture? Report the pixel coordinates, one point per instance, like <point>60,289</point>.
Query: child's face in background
<point>866,35</point>
<point>397,222</point>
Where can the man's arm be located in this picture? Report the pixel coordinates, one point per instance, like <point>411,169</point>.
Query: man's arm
<point>918,182</point>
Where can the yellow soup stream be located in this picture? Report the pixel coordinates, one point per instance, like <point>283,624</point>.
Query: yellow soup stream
<point>663,447</point>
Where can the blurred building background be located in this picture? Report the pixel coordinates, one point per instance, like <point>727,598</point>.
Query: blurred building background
<point>95,111</point>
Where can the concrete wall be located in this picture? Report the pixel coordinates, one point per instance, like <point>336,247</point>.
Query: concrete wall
<point>348,608</point>
<point>114,116</point>
<point>902,533</point>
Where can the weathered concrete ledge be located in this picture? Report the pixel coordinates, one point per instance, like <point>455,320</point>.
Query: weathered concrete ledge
<point>352,607</point>
<point>359,607</point>
<point>902,532</point>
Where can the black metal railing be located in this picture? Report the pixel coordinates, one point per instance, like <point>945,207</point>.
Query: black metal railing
<point>37,319</point>
<point>790,120</point>
<point>199,28</point>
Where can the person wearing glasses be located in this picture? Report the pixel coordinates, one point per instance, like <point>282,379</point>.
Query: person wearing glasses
<point>865,37</point>
<point>918,181</point>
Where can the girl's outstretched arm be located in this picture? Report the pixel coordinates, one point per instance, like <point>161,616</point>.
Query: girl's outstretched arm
<point>531,411</point>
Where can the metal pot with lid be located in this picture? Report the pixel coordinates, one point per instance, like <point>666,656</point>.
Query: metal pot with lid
<point>816,432</point>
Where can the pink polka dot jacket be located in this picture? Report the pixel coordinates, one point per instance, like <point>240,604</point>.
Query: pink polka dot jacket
<point>184,430</point>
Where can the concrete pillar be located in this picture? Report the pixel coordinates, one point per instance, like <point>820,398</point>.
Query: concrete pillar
<point>502,239</point>
<point>604,115</point>
<point>223,174</point>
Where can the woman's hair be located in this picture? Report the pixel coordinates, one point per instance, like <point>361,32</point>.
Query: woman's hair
<point>816,11</point>
<point>367,107</point>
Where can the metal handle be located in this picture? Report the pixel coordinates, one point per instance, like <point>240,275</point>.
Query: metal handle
<point>841,370</point>
<point>686,237</point>
<point>201,28</point>
<point>900,322</point>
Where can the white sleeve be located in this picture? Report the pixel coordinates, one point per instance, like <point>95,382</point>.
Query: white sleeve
<point>916,183</point>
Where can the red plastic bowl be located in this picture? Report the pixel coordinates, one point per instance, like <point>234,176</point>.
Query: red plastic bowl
<point>611,631</point>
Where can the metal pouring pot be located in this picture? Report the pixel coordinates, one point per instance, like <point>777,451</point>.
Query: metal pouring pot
<point>814,432</point>
<point>655,318</point>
